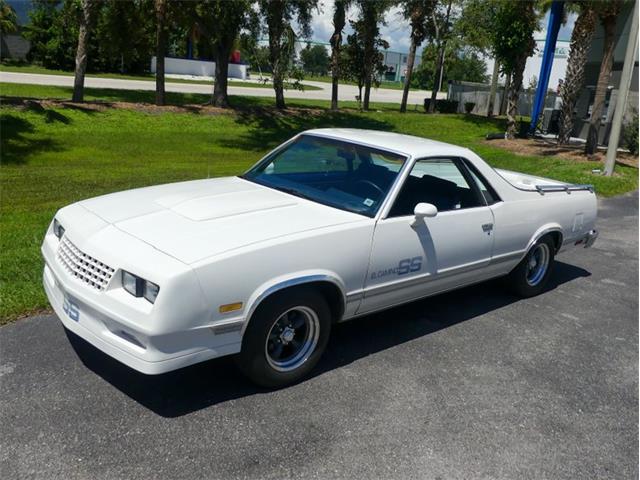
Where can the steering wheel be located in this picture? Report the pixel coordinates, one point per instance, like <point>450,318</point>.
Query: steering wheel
<point>373,185</point>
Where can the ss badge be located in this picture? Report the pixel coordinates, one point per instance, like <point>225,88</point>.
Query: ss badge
<point>409,265</point>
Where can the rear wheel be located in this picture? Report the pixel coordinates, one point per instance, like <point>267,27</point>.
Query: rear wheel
<point>531,275</point>
<point>285,338</point>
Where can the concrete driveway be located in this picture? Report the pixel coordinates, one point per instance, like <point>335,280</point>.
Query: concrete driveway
<point>345,92</point>
<point>471,384</point>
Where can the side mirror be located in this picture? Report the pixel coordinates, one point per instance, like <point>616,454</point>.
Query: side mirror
<point>423,210</point>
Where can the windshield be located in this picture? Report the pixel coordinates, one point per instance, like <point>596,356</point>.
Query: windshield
<point>332,172</point>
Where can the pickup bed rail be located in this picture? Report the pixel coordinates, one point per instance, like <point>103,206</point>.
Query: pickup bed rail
<point>542,189</point>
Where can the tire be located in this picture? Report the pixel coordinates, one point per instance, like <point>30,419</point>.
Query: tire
<point>530,277</point>
<point>285,338</point>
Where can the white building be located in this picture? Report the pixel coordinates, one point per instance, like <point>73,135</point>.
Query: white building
<point>396,62</point>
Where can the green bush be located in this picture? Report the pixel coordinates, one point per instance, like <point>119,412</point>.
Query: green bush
<point>447,106</point>
<point>442,106</point>
<point>630,134</point>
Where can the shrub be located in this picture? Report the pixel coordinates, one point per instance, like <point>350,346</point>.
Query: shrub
<point>447,106</point>
<point>469,106</point>
<point>630,134</point>
<point>442,106</point>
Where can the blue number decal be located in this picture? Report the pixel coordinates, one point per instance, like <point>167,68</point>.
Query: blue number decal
<point>71,309</point>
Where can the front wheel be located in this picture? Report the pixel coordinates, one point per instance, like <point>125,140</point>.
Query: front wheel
<point>532,273</point>
<point>285,338</point>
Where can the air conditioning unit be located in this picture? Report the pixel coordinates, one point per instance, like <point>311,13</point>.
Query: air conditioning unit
<point>550,120</point>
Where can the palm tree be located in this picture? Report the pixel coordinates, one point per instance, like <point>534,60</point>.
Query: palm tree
<point>512,44</point>
<point>442,29</point>
<point>608,15</point>
<point>371,16</point>
<point>417,12</point>
<point>580,44</point>
<point>8,18</point>
<point>339,21</point>
<point>277,16</point>
<point>161,47</point>
<point>84,31</point>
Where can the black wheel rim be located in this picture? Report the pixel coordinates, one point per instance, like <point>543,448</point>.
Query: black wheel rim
<point>292,338</point>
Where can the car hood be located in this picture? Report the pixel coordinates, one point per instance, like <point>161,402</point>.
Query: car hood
<point>194,220</point>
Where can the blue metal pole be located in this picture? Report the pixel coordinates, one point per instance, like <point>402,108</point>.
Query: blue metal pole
<point>555,19</point>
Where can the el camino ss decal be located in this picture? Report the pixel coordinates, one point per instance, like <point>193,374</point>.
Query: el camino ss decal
<point>405,266</point>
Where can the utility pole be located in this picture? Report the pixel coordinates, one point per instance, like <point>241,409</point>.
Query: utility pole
<point>623,93</point>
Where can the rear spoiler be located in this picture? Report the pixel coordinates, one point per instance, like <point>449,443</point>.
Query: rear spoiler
<point>542,189</point>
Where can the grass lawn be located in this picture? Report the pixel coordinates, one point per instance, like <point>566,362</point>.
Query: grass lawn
<point>54,155</point>
<point>173,98</point>
<point>20,68</point>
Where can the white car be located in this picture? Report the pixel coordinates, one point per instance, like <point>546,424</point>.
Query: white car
<point>333,224</point>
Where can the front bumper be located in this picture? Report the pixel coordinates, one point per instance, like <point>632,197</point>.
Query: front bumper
<point>178,330</point>
<point>117,340</point>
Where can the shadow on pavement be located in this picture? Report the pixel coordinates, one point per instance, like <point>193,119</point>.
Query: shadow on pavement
<point>193,388</point>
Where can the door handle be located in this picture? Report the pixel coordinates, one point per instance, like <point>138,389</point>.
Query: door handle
<point>487,227</point>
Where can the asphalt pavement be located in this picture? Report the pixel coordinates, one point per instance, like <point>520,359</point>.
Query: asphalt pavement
<point>470,384</point>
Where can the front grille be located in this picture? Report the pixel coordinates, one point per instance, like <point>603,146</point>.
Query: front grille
<point>82,266</point>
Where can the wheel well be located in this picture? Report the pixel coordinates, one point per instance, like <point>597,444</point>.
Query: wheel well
<point>330,291</point>
<point>335,299</point>
<point>557,239</point>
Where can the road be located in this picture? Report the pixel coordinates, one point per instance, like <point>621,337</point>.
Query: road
<point>345,92</point>
<point>471,384</point>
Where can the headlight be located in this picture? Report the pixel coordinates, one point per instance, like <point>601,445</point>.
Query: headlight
<point>139,287</point>
<point>58,229</point>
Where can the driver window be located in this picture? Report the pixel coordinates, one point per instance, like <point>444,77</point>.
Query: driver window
<point>438,181</point>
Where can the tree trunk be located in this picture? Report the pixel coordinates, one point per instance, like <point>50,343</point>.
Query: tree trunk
<point>370,18</point>
<point>161,45</point>
<point>278,87</point>
<point>514,94</point>
<point>339,21</point>
<point>275,28</point>
<point>437,78</point>
<point>220,96</point>
<point>494,87</point>
<point>335,76</point>
<point>81,53</point>
<point>367,93</point>
<point>407,79</point>
<point>580,43</point>
<point>440,32</point>
<point>609,24</point>
<point>505,94</point>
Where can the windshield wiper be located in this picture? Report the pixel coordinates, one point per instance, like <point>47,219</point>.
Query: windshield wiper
<point>293,191</point>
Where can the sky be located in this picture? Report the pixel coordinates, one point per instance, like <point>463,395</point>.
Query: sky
<point>397,29</point>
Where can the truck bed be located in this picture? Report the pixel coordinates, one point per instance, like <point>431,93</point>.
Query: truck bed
<point>522,181</point>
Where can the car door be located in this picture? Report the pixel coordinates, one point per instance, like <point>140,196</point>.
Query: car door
<point>412,259</point>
